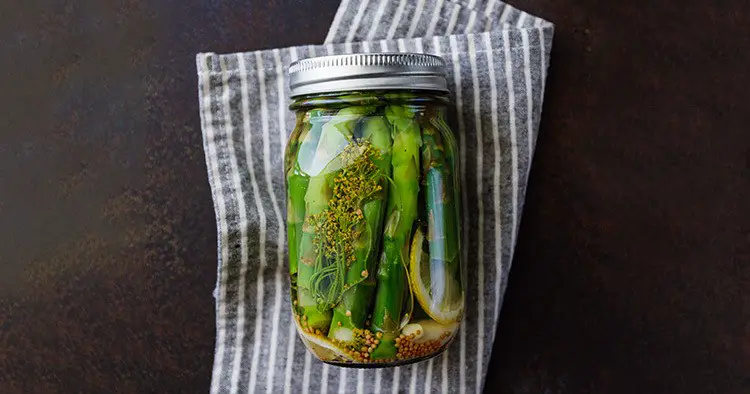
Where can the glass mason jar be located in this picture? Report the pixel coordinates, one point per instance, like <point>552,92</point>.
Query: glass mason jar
<point>373,209</point>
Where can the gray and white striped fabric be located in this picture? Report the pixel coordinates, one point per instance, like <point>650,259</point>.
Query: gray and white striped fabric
<point>497,60</point>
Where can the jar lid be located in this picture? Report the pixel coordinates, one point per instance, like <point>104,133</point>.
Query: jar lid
<point>367,71</point>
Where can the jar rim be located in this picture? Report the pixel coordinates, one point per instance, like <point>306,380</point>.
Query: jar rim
<point>370,97</point>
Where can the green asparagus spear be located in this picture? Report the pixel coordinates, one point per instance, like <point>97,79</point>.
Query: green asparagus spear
<point>296,183</point>
<point>402,212</point>
<point>444,301</point>
<point>450,149</point>
<point>310,200</point>
<point>296,189</point>
<point>316,281</point>
<point>440,199</point>
<point>292,145</point>
<point>352,311</point>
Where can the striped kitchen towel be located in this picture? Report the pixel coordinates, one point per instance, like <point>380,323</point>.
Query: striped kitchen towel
<point>497,60</point>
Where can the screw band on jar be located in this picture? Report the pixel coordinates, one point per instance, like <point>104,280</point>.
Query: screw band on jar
<point>367,71</point>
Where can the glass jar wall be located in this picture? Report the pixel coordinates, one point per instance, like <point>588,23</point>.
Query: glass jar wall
<point>373,226</point>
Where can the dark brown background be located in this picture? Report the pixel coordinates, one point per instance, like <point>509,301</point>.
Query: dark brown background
<point>632,268</point>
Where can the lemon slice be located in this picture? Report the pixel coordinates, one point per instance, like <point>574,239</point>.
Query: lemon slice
<point>437,291</point>
<point>322,348</point>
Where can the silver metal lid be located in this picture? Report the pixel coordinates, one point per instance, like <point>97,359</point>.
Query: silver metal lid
<point>367,71</point>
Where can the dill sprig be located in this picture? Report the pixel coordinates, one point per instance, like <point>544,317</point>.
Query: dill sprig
<point>338,228</point>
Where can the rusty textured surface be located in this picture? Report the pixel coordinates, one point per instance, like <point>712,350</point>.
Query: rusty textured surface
<point>632,271</point>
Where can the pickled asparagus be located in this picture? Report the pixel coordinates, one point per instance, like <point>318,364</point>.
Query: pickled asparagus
<point>351,312</point>
<point>319,276</point>
<point>401,214</point>
<point>435,274</point>
<point>440,199</point>
<point>373,223</point>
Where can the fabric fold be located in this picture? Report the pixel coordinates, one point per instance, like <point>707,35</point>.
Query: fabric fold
<point>497,61</point>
